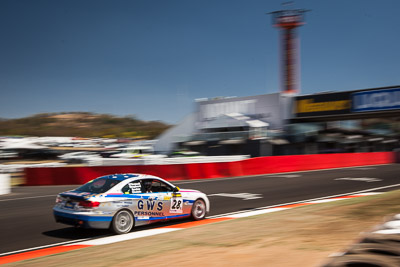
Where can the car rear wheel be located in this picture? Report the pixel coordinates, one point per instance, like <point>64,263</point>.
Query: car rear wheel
<point>199,210</point>
<point>122,222</point>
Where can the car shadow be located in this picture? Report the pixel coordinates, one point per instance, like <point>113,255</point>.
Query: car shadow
<point>73,233</point>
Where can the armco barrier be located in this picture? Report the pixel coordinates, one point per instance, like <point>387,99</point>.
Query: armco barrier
<point>247,167</point>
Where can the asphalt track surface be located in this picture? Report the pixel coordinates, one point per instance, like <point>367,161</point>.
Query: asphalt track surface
<point>26,219</point>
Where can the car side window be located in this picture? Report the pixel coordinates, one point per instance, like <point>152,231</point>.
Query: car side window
<point>147,186</point>
<point>161,186</point>
<point>155,186</point>
<point>134,187</point>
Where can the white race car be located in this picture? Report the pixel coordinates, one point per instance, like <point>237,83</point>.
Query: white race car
<point>122,201</point>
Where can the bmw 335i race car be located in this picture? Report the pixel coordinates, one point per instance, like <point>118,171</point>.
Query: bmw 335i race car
<point>122,201</point>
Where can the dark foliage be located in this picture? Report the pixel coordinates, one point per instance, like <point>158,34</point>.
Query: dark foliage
<point>82,124</point>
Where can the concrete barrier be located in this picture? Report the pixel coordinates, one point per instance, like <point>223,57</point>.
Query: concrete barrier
<point>5,184</point>
<point>247,167</point>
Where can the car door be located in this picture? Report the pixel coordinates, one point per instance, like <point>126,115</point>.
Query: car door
<point>132,197</point>
<point>150,205</point>
<point>172,203</point>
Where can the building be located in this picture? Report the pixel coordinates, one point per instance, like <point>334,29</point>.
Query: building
<point>229,126</point>
<point>364,120</point>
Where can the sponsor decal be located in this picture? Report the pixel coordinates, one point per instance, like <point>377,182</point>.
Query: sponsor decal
<point>176,205</point>
<point>376,100</point>
<point>70,205</point>
<point>149,213</point>
<point>323,104</point>
<point>308,105</point>
<point>150,205</point>
<point>135,188</point>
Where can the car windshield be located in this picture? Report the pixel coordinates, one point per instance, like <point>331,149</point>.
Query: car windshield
<point>99,185</point>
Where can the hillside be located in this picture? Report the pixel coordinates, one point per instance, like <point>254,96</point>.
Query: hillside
<point>82,124</point>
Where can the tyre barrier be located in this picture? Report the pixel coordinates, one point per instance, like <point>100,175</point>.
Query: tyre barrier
<point>373,238</point>
<point>373,249</point>
<point>378,249</point>
<point>365,260</point>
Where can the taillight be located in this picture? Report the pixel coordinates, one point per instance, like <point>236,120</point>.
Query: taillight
<point>89,204</point>
<point>59,199</point>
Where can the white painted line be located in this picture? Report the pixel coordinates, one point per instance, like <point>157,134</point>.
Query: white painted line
<point>328,199</point>
<point>27,198</point>
<point>359,179</point>
<point>270,174</point>
<point>244,196</point>
<point>324,200</point>
<point>287,176</point>
<point>156,231</point>
<point>255,212</point>
<point>45,246</point>
<point>231,178</point>
<point>374,189</point>
<point>364,168</point>
<point>124,237</point>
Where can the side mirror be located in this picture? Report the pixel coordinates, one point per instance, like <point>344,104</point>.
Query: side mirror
<point>176,189</point>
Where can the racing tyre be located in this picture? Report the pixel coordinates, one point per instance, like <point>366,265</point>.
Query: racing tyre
<point>122,222</point>
<point>365,260</point>
<point>198,210</point>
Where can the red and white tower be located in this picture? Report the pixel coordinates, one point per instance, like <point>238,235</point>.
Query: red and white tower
<point>288,21</point>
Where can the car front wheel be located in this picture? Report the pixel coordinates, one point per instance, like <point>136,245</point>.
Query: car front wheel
<point>199,210</point>
<point>122,222</point>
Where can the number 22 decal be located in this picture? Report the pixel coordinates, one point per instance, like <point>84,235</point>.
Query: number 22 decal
<point>176,205</point>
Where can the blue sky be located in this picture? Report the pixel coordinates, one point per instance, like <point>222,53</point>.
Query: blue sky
<point>152,58</point>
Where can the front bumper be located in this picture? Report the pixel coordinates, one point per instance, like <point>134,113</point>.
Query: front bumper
<point>82,219</point>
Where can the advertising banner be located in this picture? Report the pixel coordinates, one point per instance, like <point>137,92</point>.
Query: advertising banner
<point>376,100</point>
<point>322,104</point>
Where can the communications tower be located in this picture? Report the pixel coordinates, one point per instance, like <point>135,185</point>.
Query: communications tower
<point>288,21</point>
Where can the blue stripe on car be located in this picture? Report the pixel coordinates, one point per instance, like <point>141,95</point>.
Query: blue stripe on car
<point>84,217</point>
<point>142,197</point>
<point>162,218</point>
<point>126,196</point>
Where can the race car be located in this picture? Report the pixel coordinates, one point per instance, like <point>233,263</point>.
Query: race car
<point>121,201</point>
